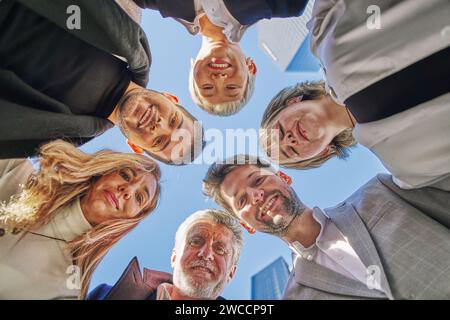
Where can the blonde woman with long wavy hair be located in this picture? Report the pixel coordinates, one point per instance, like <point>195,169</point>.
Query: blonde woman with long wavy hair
<point>55,232</point>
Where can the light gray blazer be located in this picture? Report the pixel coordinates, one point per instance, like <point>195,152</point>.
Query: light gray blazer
<point>355,55</point>
<point>391,229</point>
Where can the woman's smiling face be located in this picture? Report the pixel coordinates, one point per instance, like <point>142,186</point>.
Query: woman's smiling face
<point>302,132</point>
<point>119,195</point>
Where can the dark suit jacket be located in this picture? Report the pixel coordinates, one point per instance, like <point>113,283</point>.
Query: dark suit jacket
<point>132,286</point>
<point>29,118</point>
<point>246,12</point>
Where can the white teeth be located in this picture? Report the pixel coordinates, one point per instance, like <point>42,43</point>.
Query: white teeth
<point>219,65</point>
<point>145,117</point>
<point>267,207</point>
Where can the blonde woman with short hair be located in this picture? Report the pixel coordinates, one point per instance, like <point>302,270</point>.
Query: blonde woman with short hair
<point>70,212</point>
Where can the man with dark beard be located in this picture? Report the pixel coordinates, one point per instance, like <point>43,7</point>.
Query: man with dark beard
<point>381,243</point>
<point>204,259</point>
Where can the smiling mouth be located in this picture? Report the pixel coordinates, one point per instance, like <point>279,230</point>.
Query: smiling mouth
<point>219,64</point>
<point>203,269</point>
<point>266,209</point>
<point>301,131</point>
<point>146,117</point>
<point>111,198</point>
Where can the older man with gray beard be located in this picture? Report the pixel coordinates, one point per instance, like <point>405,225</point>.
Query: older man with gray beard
<point>204,259</point>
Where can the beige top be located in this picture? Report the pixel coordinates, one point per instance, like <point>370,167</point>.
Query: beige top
<point>37,265</point>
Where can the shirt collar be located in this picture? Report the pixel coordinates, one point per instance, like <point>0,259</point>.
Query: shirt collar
<point>164,291</point>
<point>219,15</point>
<point>308,253</point>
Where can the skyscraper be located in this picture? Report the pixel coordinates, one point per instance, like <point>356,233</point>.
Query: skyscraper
<point>269,283</point>
<point>286,42</point>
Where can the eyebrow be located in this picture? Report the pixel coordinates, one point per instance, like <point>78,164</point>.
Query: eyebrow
<point>180,115</point>
<point>147,193</point>
<point>280,127</point>
<point>133,172</point>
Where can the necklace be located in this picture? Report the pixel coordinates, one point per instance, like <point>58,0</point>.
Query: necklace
<point>49,237</point>
<point>350,117</point>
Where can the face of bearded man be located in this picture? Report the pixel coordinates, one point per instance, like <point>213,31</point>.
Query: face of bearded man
<point>203,264</point>
<point>262,199</point>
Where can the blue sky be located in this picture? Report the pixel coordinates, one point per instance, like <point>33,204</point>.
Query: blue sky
<point>152,241</point>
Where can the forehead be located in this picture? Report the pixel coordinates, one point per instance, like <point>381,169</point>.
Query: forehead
<point>210,229</point>
<point>239,178</point>
<point>142,178</point>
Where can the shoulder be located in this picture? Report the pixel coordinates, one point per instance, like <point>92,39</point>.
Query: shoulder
<point>100,292</point>
<point>13,173</point>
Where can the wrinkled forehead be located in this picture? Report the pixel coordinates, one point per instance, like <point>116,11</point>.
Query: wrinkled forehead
<point>208,229</point>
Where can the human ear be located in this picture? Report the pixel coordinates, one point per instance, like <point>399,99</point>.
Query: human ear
<point>171,97</point>
<point>328,150</point>
<point>232,272</point>
<point>251,66</point>
<point>294,100</point>
<point>286,178</point>
<point>136,149</point>
<point>173,258</point>
<point>247,227</point>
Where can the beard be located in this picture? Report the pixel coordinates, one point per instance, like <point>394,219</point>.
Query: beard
<point>194,287</point>
<point>293,208</point>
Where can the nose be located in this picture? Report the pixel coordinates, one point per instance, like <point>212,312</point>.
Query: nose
<point>206,252</point>
<point>257,195</point>
<point>219,75</point>
<point>161,126</point>
<point>290,139</point>
<point>156,122</point>
<point>126,191</point>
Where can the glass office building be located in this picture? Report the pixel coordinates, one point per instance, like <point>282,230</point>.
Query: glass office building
<point>269,283</point>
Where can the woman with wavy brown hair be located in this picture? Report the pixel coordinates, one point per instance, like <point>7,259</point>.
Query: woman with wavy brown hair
<point>55,232</point>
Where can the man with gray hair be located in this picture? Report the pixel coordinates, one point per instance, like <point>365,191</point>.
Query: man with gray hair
<point>204,259</point>
<point>383,242</point>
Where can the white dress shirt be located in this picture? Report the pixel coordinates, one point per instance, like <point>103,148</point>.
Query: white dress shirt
<point>218,14</point>
<point>164,291</point>
<point>413,145</point>
<point>332,250</point>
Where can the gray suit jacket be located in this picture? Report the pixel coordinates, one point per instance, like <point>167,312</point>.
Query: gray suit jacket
<point>409,250</point>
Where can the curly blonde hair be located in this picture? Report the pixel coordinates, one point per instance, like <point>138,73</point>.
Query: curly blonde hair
<point>65,174</point>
